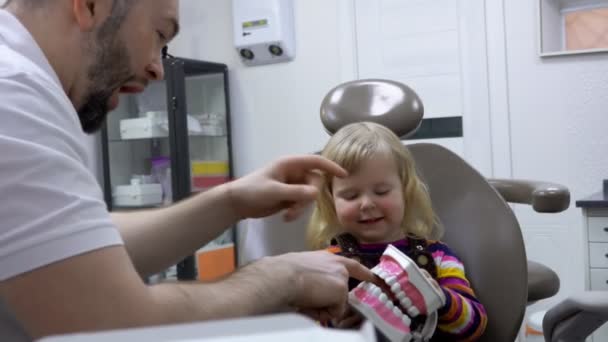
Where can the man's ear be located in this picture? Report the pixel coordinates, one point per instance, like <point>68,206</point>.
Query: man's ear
<point>91,13</point>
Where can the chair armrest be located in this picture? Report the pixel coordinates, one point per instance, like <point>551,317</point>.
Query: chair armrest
<point>543,282</point>
<point>576,317</point>
<point>544,197</point>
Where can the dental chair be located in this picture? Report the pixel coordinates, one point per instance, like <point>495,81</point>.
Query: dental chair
<point>576,318</point>
<point>479,224</point>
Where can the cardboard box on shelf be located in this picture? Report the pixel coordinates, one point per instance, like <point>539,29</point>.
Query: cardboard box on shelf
<point>137,195</point>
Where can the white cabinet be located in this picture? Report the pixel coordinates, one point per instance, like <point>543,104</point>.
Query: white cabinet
<point>596,255</point>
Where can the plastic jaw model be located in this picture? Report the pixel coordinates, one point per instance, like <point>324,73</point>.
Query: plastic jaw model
<point>403,303</point>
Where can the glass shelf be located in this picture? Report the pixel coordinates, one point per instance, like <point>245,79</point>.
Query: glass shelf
<point>207,136</point>
<point>114,140</point>
<point>132,208</point>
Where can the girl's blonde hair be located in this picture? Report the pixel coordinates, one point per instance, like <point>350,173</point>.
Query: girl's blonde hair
<point>349,147</point>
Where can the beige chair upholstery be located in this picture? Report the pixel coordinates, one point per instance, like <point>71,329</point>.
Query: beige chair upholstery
<point>482,230</point>
<point>480,227</point>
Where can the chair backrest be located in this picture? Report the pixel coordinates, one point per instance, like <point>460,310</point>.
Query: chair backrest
<point>479,225</point>
<point>483,232</point>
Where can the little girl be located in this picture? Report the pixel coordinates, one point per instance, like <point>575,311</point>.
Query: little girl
<point>382,202</point>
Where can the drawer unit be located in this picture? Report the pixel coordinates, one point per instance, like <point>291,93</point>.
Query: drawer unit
<point>598,229</point>
<point>599,279</point>
<point>598,255</point>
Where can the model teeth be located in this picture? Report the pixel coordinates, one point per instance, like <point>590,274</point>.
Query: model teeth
<point>395,288</point>
<point>406,320</point>
<point>406,302</point>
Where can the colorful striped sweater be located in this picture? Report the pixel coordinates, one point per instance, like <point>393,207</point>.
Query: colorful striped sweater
<point>463,318</point>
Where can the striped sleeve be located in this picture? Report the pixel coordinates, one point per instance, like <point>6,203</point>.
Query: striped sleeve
<point>463,318</point>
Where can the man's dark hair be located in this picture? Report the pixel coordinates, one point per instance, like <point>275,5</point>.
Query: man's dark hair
<point>120,8</point>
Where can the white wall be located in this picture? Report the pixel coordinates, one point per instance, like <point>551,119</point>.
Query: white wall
<point>556,115</point>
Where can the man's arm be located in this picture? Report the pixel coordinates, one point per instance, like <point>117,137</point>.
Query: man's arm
<point>101,290</point>
<point>157,239</point>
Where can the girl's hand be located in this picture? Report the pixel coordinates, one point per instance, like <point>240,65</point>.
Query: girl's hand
<point>434,283</point>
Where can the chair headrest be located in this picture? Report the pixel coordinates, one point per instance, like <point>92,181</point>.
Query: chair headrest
<point>385,102</point>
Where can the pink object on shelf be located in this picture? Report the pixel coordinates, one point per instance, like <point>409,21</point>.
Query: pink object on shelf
<point>204,182</point>
<point>161,170</point>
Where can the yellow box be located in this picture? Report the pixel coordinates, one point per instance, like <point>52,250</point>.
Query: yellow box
<point>209,167</point>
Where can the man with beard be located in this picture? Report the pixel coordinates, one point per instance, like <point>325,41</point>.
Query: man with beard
<point>68,265</point>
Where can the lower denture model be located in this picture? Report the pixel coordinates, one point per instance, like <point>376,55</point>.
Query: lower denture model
<point>402,297</point>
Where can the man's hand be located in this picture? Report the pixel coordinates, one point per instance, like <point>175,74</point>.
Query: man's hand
<point>316,283</point>
<point>350,320</point>
<point>290,183</point>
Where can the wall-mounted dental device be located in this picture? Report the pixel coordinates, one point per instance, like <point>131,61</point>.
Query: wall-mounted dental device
<point>264,31</point>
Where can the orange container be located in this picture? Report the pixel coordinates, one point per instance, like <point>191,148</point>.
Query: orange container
<point>215,262</point>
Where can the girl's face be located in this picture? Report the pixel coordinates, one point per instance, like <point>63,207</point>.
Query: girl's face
<point>369,203</point>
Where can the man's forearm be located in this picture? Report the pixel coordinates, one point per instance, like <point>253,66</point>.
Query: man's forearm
<point>100,290</point>
<point>157,239</point>
<point>249,291</point>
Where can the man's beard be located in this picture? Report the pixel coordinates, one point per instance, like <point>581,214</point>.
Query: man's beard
<point>109,72</point>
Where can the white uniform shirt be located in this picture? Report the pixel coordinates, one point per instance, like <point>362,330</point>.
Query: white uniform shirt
<point>51,205</point>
